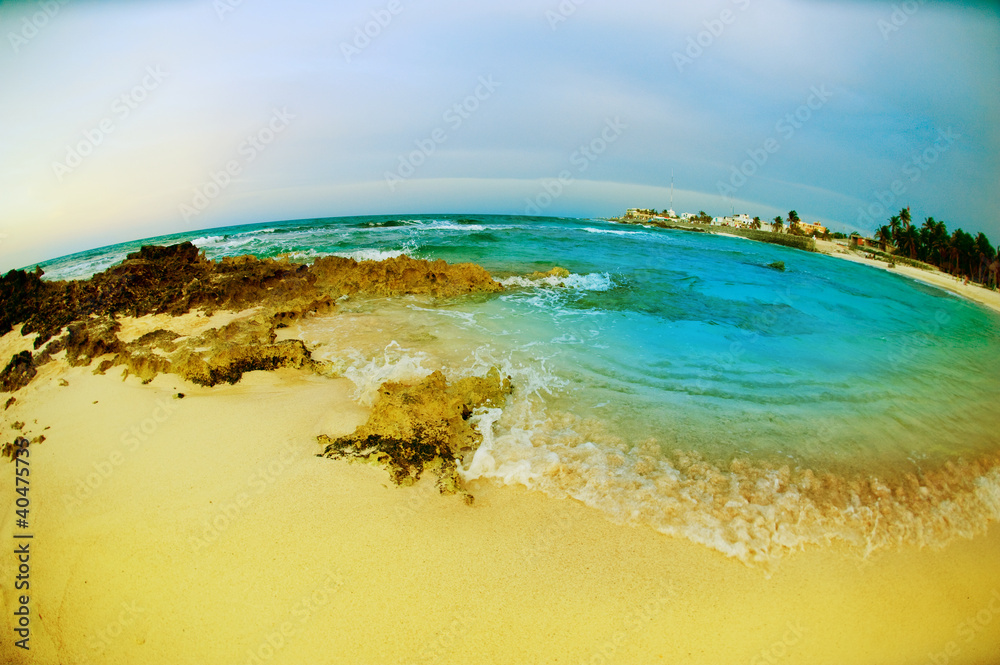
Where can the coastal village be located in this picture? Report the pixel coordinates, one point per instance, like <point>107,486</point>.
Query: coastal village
<point>740,221</point>
<point>957,261</point>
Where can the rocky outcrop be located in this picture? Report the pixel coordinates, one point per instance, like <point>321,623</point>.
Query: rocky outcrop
<point>176,279</point>
<point>401,274</point>
<point>173,280</point>
<point>425,425</point>
<point>18,372</point>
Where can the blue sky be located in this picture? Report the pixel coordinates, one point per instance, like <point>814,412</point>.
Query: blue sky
<point>124,120</point>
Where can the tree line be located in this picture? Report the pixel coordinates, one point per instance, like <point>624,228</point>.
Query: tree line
<point>957,253</point>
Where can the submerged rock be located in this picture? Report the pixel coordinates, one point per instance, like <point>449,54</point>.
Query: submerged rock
<point>424,425</point>
<point>560,273</point>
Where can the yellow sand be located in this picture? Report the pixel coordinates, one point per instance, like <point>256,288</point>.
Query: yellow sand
<point>210,533</point>
<point>974,292</point>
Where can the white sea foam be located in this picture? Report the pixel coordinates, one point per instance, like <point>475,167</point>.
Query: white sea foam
<point>441,225</point>
<point>379,254</point>
<point>207,241</point>
<point>395,364</point>
<point>748,511</point>
<point>589,282</point>
<point>616,232</point>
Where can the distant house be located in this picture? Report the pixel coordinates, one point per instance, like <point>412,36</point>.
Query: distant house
<point>741,221</point>
<point>812,229</point>
<point>858,241</point>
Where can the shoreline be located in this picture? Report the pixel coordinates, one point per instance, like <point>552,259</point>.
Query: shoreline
<point>971,291</point>
<point>216,527</point>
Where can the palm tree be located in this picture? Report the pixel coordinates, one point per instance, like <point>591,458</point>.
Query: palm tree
<point>995,270</point>
<point>793,221</point>
<point>755,224</point>
<point>985,253</point>
<point>933,241</point>
<point>777,225</point>
<point>884,237</point>
<point>904,216</point>
<point>961,249</point>
<point>895,227</point>
<point>909,240</point>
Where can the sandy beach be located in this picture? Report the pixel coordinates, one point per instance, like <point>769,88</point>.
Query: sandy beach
<point>204,529</point>
<point>973,292</point>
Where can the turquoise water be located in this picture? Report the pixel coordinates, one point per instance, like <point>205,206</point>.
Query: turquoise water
<point>674,379</point>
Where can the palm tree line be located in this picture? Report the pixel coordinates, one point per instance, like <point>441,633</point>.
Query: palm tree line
<point>958,253</point>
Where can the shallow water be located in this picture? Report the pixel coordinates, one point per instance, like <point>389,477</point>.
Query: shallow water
<point>674,379</point>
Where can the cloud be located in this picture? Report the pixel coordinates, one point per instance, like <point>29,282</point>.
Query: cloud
<point>559,81</point>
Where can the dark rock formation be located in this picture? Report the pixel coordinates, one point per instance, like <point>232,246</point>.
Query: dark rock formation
<point>426,425</point>
<point>18,372</point>
<point>173,280</point>
<point>176,279</point>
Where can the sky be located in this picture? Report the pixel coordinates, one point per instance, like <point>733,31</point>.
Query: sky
<point>126,120</point>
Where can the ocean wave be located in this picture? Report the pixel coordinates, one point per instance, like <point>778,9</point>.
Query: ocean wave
<point>394,364</point>
<point>615,232</point>
<point>376,254</point>
<point>207,241</point>
<point>749,510</point>
<point>83,269</point>
<point>444,225</point>
<point>589,282</point>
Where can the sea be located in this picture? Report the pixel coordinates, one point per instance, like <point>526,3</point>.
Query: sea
<point>753,398</point>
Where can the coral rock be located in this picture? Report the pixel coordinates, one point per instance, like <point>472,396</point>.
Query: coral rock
<point>413,427</point>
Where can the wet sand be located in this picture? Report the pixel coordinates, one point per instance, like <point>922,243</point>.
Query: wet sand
<point>204,529</point>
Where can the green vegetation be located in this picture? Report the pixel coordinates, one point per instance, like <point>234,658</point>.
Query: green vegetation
<point>929,246</point>
<point>959,253</point>
<point>777,265</point>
